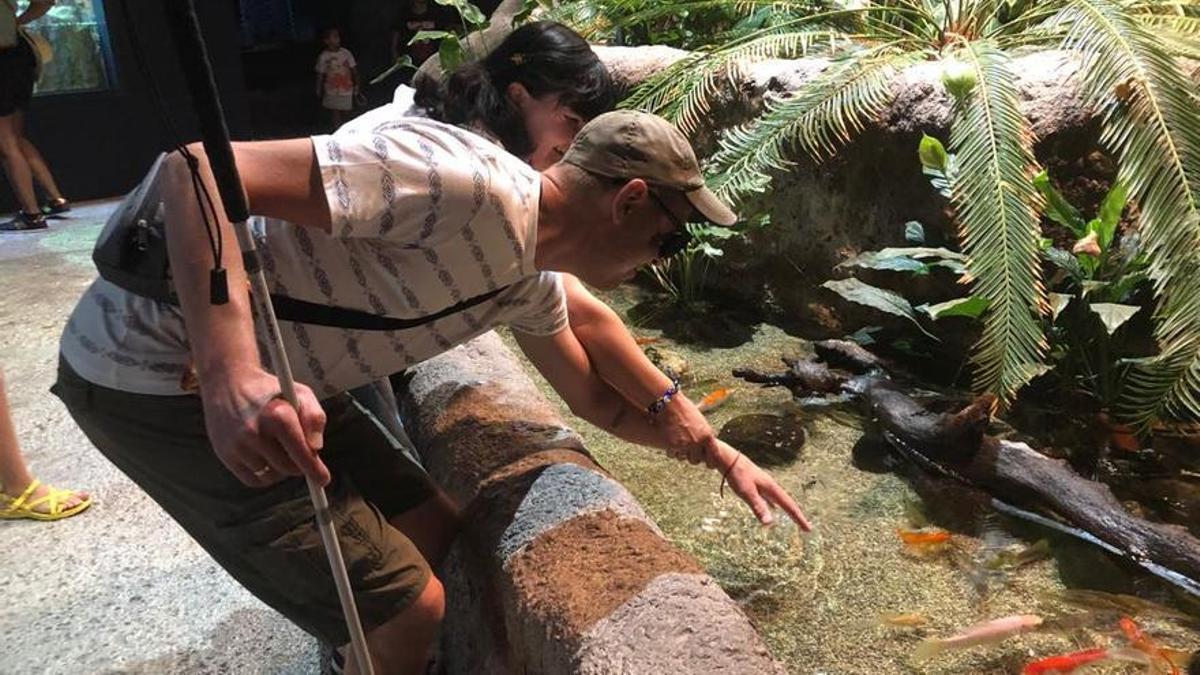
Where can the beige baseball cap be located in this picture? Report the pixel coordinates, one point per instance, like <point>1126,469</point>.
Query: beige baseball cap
<point>635,144</point>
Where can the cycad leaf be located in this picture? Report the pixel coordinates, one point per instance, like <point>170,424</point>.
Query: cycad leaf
<point>817,120</point>
<point>994,196</point>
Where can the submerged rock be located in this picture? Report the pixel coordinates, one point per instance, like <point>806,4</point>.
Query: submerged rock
<point>769,440</point>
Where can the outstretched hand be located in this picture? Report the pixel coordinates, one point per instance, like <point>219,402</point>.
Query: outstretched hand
<point>756,487</point>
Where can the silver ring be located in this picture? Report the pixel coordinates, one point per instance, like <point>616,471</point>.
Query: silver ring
<point>263,471</point>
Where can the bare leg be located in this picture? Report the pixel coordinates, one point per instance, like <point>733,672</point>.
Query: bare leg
<point>14,475</point>
<point>403,645</point>
<point>432,526</point>
<point>15,165</point>
<point>37,164</point>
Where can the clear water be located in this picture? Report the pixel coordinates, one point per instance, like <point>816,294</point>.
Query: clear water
<point>817,599</point>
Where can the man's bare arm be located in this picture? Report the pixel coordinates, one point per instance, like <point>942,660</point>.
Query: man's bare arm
<point>250,428</point>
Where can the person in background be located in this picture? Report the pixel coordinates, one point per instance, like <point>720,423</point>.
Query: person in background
<point>22,495</point>
<point>337,77</point>
<point>414,17</point>
<point>22,162</point>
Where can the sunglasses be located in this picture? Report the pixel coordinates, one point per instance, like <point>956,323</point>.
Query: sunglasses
<point>678,239</point>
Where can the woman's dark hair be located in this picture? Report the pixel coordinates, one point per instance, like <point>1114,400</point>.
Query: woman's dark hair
<point>546,58</point>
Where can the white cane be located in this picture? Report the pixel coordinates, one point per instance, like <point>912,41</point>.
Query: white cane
<point>193,57</point>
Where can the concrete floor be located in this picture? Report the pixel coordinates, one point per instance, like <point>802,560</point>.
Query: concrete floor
<point>119,588</point>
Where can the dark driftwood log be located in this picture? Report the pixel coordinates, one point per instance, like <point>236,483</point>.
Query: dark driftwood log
<point>956,443</point>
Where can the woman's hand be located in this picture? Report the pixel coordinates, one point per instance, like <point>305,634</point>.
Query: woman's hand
<point>687,433</point>
<point>756,487</point>
<point>257,434</point>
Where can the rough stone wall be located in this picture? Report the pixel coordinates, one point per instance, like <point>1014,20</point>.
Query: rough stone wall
<point>558,569</point>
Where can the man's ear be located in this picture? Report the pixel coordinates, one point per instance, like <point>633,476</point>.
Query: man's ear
<point>631,195</point>
<point>518,94</point>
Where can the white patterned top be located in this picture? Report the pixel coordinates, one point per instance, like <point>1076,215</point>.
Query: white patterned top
<point>425,215</point>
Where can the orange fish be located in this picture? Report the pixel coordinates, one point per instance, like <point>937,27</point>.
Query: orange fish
<point>911,619</point>
<point>714,400</point>
<point>923,538</point>
<point>1068,663</point>
<point>1143,643</point>
<point>643,341</point>
<point>1065,663</point>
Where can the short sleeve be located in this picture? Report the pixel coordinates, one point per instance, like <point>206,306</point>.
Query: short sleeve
<point>407,180</point>
<point>350,62</point>
<point>320,67</point>
<point>545,303</point>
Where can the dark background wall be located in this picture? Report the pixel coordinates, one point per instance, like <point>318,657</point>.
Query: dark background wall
<point>99,143</point>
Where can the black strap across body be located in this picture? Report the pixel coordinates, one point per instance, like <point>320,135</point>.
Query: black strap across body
<point>131,253</point>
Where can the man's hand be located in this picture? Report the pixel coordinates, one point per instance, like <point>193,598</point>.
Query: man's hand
<point>256,433</point>
<point>756,487</point>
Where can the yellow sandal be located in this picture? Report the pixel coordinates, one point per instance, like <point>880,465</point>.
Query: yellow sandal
<point>12,508</point>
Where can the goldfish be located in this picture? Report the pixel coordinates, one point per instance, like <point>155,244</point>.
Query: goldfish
<point>714,400</point>
<point>643,341</point>
<point>1143,643</point>
<point>1068,663</point>
<point>1117,602</point>
<point>979,634</point>
<point>908,619</point>
<point>924,541</point>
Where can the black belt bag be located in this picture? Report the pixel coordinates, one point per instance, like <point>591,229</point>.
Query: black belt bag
<point>131,252</point>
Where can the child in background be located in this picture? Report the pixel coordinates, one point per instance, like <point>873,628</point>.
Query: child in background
<point>337,79</point>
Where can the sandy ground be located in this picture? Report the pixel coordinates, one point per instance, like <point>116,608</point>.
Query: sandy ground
<point>119,588</point>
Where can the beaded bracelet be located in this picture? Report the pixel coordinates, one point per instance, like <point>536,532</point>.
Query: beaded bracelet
<point>662,401</point>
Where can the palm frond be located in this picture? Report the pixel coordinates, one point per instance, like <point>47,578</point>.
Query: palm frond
<point>1152,125</point>
<point>684,92</point>
<point>827,113</point>
<point>995,201</point>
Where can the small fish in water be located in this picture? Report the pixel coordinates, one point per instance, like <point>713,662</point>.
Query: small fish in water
<point>715,399</point>
<point>907,619</point>
<point>924,541</point>
<point>979,634</point>
<point>1145,644</point>
<point>1006,559</point>
<point>650,340</point>
<point>1068,663</point>
<point>1117,603</point>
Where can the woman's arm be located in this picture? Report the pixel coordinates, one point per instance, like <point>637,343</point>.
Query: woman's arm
<point>620,362</point>
<point>563,361</point>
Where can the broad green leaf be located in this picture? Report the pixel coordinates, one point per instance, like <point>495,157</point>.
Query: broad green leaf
<point>971,306</point>
<point>933,154</point>
<point>865,335</point>
<point>922,252</point>
<point>1110,212</point>
<point>1057,207</point>
<point>423,35</point>
<point>1059,302</point>
<point>1066,261</point>
<point>1113,315</point>
<point>876,261</point>
<point>914,232</point>
<point>876,298</point>
<point>451,53</point>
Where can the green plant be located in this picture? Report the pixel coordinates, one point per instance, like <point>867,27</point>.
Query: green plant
<point>683,276</point>
<point>452,51</point>
<point>1093,294</point>
<point>1148,106</point>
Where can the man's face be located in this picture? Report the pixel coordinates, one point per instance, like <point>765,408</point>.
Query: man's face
<point>644,218</point>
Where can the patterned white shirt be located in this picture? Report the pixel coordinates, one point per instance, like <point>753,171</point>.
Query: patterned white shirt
<point>424,215</point>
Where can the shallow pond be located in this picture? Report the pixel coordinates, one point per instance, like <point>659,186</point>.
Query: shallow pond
<point>820,600</point>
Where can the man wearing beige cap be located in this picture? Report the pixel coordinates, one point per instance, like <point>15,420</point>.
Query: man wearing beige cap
<point>415,221</point>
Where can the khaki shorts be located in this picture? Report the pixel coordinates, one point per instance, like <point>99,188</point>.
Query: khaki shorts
<point>266,538</point>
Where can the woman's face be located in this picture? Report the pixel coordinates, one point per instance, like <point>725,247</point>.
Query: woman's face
<point>550,125</point>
